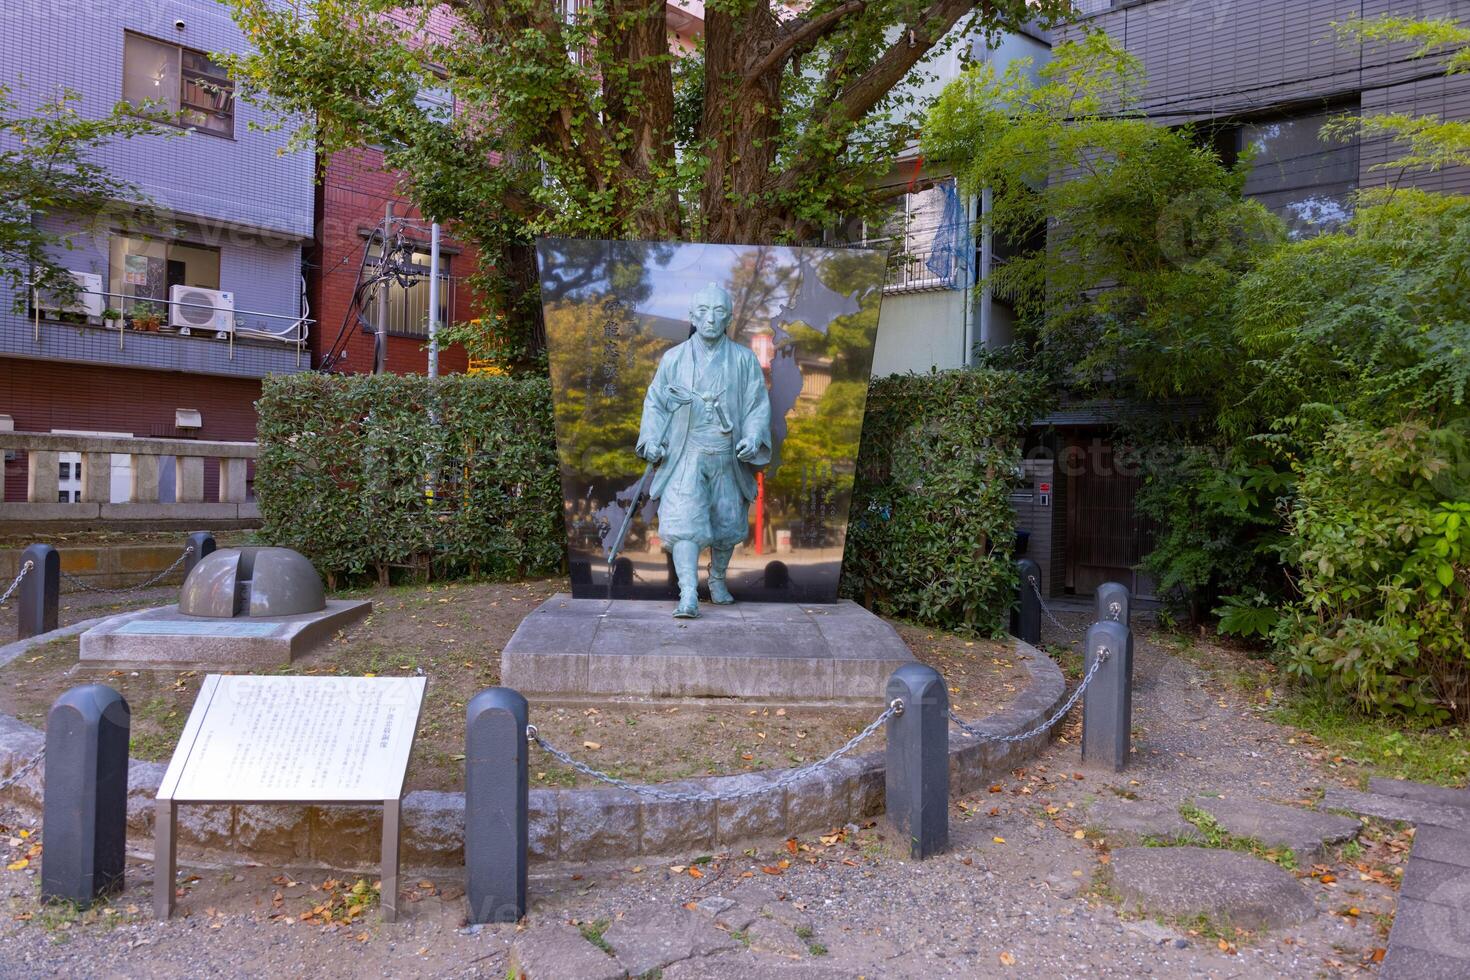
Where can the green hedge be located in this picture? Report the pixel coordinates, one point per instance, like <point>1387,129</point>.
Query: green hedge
<point>348,462</point>
<point>932,531</point>
<point>345,465</point>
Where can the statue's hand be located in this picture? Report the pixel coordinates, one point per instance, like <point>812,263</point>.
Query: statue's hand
<point>746,449</point>
<point>652,452</point>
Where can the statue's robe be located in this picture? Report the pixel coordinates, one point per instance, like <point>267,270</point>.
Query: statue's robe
<point>733,380</point>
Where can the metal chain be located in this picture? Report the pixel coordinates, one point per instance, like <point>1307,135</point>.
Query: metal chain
<point>88,587</point>
<point>895,707</point>
<point>20,773</point>
<point>16,584</point>
<point>1102,655</point>
<point>1047,612</point>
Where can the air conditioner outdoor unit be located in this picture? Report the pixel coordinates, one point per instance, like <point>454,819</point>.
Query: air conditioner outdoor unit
<point>195,308</point>
<point>89,299</point>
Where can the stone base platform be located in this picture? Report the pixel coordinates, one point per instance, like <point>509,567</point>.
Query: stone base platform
<point>598,647</point>
<point>164,637</point>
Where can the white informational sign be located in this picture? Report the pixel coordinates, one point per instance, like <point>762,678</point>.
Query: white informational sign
<point>256,739</point>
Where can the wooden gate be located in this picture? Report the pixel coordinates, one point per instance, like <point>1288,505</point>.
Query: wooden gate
<point>1106,536</point>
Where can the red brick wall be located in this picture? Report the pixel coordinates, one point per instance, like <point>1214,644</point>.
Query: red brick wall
<point>354,189</point>
<point>41,395</point>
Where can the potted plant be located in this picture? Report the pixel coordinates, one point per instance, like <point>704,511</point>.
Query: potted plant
<point>147,317</point>
<point>111,316</point>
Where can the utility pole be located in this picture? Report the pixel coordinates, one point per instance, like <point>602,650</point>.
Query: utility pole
<point>380,329</point>
<point>434,300</point>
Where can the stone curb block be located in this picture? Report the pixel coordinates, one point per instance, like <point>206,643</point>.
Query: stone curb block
<point>566,825</point>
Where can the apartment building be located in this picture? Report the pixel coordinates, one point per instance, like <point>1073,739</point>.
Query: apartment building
<point>201,304</point>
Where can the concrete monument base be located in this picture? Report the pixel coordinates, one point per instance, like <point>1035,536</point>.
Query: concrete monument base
<point>164,637</point>
<point>588,647</point>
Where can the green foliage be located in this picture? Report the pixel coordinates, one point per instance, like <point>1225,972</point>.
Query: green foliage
<point>1125,267</point>
<point>1384,614</point>
<point>591,126</point>
<point>1219,527</point>
<point>1383,746</point>
<point>1248,617</point>
<point>364,472</point>
<point>45,168</point>
<point>932,531</point>
<point>1428,141</point>
<point>1365,324</point>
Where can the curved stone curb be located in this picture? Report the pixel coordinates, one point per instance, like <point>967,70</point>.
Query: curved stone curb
<point>17,647</point>
<point>569,824</point>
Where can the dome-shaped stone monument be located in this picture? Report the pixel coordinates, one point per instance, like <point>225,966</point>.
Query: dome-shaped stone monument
<point>252,582</point>
<point>239,609</point>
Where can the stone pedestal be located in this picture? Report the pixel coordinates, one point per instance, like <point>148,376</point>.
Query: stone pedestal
<point>165,637</point>
<point>578,648</point>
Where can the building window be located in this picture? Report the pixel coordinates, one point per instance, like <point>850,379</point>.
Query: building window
<point>145,269</point>
<point>1306,180</point>
<point>184,84</point>
<point>408,293</point>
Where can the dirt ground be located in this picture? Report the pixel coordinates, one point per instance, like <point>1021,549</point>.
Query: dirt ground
<point>454,632</point>
<point>1022,891</point>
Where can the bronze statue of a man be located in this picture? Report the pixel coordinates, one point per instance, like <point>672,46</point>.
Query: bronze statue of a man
<point>707,418</point>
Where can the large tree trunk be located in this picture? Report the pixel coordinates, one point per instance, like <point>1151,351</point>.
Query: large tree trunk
<point>742,121</point>
<point>638,85</point>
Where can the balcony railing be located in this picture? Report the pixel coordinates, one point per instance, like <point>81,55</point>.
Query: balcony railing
<point>912,272</point>
<point>43,451</point>
<point>253,324</point>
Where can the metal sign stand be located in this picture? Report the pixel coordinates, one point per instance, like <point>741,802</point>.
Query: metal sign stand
<point>205,765</point>
<point>166,864</point>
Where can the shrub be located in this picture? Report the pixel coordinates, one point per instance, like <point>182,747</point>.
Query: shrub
<point>458,475</point>
<point>1381,523</point>
<point>932,532</point>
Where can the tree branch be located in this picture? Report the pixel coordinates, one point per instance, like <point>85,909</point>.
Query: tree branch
<point>912,45</point>
<point>806,33</point>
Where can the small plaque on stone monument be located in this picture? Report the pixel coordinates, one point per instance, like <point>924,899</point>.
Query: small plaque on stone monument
<point>252,739</point>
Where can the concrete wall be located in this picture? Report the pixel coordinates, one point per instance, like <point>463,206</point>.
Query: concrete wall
<point>920,331</point>
<point>244,180</point>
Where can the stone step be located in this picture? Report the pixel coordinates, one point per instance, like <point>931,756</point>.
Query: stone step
<point>1422,792</point>
<point>558,950</point>
<point>1397,808</point>
<point>1133,820</point>
<point>1306,832</point>
<point>1228,887</point>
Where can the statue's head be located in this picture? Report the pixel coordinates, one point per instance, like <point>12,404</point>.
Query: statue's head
<point>710,311</point>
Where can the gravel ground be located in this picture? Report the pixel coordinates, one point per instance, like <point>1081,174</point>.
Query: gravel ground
<point>1022,893</point>
<point>76,605</point>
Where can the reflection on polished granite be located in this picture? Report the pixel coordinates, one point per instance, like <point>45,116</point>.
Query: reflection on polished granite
<point>811,317</point>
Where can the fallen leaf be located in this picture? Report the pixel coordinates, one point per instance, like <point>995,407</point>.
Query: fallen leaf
<point>592,745</point>
<point>695,873</point>
<point>999,840</point>
<point>1007,959</point>
<point>17,865</point>
<point>791,845</point>
<point>771,869</point>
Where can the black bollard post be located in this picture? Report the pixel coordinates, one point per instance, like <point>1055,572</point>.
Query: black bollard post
<point>85,806</point>
<point>1107,707</point>
<point>916,777</point>
<point>1026,617</point>
<point>1114,603</point>
<point>496,805</point>
<point>36,599</point>
<point>203,544</point>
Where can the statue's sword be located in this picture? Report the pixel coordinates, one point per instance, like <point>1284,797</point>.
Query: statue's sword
<point>681,398</point>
